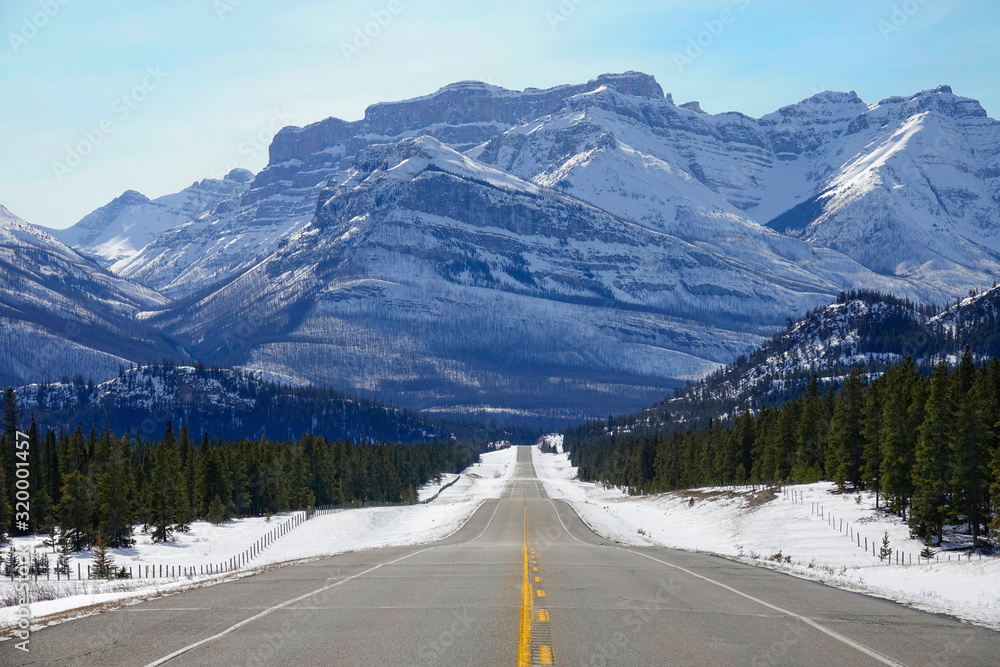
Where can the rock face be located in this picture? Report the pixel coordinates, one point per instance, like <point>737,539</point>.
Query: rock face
<point>61,315</point>
<point>561,252</point>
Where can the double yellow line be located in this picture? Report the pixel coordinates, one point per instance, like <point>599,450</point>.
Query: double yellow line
<point>524,646</point>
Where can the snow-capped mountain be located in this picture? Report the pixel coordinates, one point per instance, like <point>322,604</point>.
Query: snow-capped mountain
<point>62,315</point>
<point>116,232</point>
<point>919,199</point>
<point>282,198</point>
<point>907,188</point>
<point>475,248</point>
<point>430,276</point>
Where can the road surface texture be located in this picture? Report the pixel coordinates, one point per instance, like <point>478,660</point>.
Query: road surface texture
<point>524,582</point>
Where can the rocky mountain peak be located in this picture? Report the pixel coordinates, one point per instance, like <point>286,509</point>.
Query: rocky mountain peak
<point>239,175</point>
<point>633,83</point>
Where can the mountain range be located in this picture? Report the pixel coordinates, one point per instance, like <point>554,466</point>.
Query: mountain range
<point>540,254</point>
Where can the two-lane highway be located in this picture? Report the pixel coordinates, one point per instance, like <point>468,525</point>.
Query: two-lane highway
<point>524,581</point>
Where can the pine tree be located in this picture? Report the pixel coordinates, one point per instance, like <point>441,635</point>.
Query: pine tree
<point>43,513</point>
<point>930,473</point>
<point>8,442</point>
<point>995,493</point>
<point>104,562</point>
<point>905,388</point>
<point>76,510</point>
<point>872,412</point>
<point>216,512</point>
<point>75,454</point>
<point>811,436</point>
<point>10,563</point>
<point>885,551</point>
<point>189,464</point>
<point>843,462</point>
<point>971,446</point>
<point>62,562</point>
<point>115,498</point>
<point>213,481</point>
<point>785,442</point>
<point>40,563</point>
<point>166,490</point>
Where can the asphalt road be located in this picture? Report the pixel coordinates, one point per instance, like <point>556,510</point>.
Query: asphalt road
<point>459,602</point>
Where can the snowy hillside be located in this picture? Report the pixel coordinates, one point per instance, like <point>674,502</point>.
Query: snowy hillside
<point>61,314</point>
<point>222,402</point>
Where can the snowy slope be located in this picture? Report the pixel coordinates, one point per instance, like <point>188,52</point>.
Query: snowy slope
<point>915,194</point>
<point>220,401</point>
<point>656,164</point>
<point>119,230</point>
<point>282,198</point>
<point>60,314</point>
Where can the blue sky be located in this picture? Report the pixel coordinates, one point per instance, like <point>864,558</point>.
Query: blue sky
<point>159,94</point>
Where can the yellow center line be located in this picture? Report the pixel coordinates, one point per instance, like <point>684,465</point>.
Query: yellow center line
<point>524,647</point>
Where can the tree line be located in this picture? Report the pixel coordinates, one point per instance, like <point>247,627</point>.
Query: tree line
<point>886,331</point>
<point>926,445</point>
<point>98,485</point>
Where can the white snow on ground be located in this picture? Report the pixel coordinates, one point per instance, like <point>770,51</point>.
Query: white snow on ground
<point>324,535</point>
<point>428,490</point>
<point>744,525</point>
<point>554,440</point>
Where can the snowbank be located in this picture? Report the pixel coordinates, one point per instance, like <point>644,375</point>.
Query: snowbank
<point>323,535</point>
<point>756,526</point>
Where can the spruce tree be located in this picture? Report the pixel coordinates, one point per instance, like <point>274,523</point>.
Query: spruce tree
<point>810,452</point>
<point>76,510</point>
<point>166,495</point>
<point>104,562</point>
<point>8,443</point>
<point>188,455</point>
<point>885,551</point>
<point>115,498</point>
<point>931,470</point>
<point>872,412</point>
<point>843,462</point>
<point>898,439</point>
<point>43,513</point>
<point>216,512</point>
<point>995,494</point>
<point>62,562</point>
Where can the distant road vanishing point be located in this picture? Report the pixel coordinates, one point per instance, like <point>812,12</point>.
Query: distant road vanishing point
<point>525,582</point>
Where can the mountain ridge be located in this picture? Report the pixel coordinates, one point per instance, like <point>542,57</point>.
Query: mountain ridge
<point>608,231</point>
